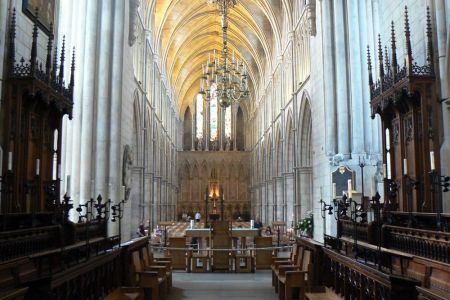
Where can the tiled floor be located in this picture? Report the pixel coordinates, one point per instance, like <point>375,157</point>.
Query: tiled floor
<point>221,286</point>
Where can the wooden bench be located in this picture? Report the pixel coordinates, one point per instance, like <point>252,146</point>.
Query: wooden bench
<point>295,276</point>
<point>153,282</point>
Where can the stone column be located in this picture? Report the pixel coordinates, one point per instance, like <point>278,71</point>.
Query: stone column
<point>270,201</point>
<point>289,196</point>
<point>103,104</point>
<point>328,78</point>
<point>356,61</point>
<point>279,198</point>
<point>342,95</point>
<point>81,171</point>
<point>115,149</point>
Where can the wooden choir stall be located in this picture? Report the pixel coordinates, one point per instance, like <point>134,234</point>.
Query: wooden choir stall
<point>44,255</point>
<point>397,247</point>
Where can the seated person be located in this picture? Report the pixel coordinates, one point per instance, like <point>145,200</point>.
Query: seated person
<point>268,230</point>
<point>258,224</point>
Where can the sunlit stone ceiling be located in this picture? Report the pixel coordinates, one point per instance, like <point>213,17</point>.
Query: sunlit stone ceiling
<point>186,31</point>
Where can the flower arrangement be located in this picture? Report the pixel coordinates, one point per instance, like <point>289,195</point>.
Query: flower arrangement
<point>306,225</point>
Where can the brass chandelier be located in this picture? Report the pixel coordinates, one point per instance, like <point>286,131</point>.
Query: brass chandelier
<point>230,77</point>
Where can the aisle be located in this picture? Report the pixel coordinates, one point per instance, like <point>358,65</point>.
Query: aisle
<point>221,286</point>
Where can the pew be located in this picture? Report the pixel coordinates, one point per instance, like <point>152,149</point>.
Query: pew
<point>295,276</point>
<point>293,259</point>
<point>149,280</point>
<point>153,264</point>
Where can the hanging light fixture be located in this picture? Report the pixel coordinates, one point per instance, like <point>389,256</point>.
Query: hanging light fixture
<point>229,76</point>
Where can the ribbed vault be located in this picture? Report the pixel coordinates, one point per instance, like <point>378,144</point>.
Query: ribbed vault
<point>187,31</point>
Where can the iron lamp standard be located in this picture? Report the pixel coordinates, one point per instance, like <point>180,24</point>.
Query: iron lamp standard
<point>376,206</point>
<point>438,182</point>
<point>324,208</point>
<point>410,185</point>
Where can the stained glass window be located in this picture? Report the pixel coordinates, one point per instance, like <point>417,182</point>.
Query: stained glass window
<point>199,116</point>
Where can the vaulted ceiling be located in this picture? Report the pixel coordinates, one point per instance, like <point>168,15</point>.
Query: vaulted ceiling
<point>187,31</point>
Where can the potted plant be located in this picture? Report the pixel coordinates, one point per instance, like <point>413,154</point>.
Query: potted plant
<point>306,226</point>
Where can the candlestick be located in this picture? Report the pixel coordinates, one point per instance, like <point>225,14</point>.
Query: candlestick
<point>38,162</point>
<point>10,161</point>
<point>68,186</point>
<point>432,166</point>
<point>349,188</point>
<point>405,167</point>
<point>334,190</point>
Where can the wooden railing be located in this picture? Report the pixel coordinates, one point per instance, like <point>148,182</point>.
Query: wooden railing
<point>419,220</point>
<point>365,232</point>
<point>93,279</point>
<point>354,280</point>
<point>425,243</point>
<point>19,243</point>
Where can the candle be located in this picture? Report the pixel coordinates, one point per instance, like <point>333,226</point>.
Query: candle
<point>374,186</point>
<point>334,190</point>
<point>252,223</point>
<point>59,171</point>
<point>192,224</point>
<point>321,193</point>
<point>122,193</point>
<point>432,166</point>
<point>110,191</point>
<point>68,186</point>
<point>10,161</point>
<point>349,188</point>
<point>38,162</point>
<point>384,171</point>
<point>405,167</point>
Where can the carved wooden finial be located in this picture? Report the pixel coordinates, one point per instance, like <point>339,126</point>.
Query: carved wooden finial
<point>394,51</point>
<point>409,58</point>
<point>430,55</point>
<point>72,71</point>
<point>12,42</point>
<point>380,59</point>
<point>61,63</point>
<point>48,62</point>
<point>55,63</point>
<point>386,61</point>
<point>369,67</point>
<point>34,44</point>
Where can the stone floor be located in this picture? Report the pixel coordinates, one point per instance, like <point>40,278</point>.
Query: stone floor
<point>221,286</point>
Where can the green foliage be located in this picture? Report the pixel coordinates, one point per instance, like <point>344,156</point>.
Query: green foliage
<point>306,225</point>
